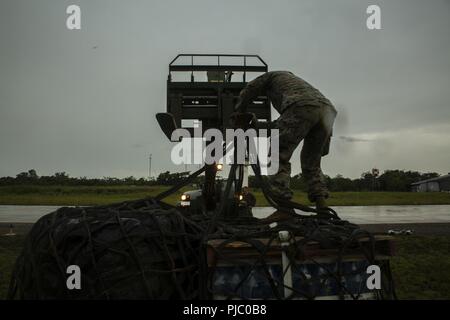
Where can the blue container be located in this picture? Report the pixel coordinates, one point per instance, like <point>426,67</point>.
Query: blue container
<point>310,280</point>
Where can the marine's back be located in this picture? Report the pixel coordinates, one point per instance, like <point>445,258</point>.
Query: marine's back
<point>283,89</point>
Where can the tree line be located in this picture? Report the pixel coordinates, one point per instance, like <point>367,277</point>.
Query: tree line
<point>389,180</point>
<point>31,177</point>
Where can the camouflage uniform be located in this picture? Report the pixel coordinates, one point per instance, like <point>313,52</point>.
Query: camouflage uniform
<point>305,114</point>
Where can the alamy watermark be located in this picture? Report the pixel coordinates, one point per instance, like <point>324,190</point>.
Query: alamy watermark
<point>73,21</point>
<point>252,146</point>
<point>373,21</point>
<point>74,279</point>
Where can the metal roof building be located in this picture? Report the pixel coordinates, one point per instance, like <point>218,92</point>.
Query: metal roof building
<point>441,183</point>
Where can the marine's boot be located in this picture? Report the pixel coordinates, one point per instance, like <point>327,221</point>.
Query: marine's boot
<point>280,188</point>
<point>279,216</point>
<point>282,193</point>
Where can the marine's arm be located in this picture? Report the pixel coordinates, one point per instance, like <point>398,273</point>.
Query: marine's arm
<point>253,89</point>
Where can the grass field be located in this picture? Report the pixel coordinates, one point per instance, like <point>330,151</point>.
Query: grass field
<point>87,195</point>
<point>421,269</point>
<point>10,248</point>
<point>79,195</point>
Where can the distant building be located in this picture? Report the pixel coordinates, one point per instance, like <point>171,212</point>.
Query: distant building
<point>441,183</point>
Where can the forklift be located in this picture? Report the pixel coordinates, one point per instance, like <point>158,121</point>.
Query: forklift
<point>286,261</point>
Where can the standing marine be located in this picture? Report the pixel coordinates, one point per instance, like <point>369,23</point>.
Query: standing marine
<point>305,114</point>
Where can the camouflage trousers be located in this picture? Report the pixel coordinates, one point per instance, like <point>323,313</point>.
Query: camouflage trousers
<point>312,123</point>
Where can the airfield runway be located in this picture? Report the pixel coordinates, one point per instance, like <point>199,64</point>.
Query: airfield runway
<point>355,214</point>
<point>421,229</point>
<point>422,220</point>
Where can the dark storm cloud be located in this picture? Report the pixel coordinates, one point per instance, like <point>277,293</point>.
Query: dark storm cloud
<point>84,101</point>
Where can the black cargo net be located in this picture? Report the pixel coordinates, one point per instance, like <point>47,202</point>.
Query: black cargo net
<point>133,250</point>
<point>325,259</point>
<point>146,249</point>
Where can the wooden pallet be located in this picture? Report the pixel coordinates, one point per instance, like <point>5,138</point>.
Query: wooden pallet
<point>243,251</point>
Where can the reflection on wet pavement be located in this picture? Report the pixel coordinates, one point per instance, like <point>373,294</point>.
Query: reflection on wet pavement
<point>355,214</point>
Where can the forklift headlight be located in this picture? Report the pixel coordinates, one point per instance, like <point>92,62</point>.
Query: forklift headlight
<point>185,197</point>
<point>219,167</point>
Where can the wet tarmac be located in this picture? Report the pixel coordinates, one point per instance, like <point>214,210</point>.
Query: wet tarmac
<point>383,214</point>
<point>355,214</point>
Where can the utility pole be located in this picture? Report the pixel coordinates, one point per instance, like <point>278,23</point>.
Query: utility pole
<point>375,173</point>
<point>150,166</point>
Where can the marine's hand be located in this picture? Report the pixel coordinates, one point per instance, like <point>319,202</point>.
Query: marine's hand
<point>254,121</point>
<point>243,119</point>
<point>237,107</point>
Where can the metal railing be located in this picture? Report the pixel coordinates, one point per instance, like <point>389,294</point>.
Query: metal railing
<point>244,67</point>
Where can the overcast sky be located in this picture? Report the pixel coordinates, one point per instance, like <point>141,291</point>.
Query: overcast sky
<point>83,101</point>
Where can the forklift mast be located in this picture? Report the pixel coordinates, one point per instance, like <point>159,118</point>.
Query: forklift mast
<point>210,90</point>
<point>207,94</point>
